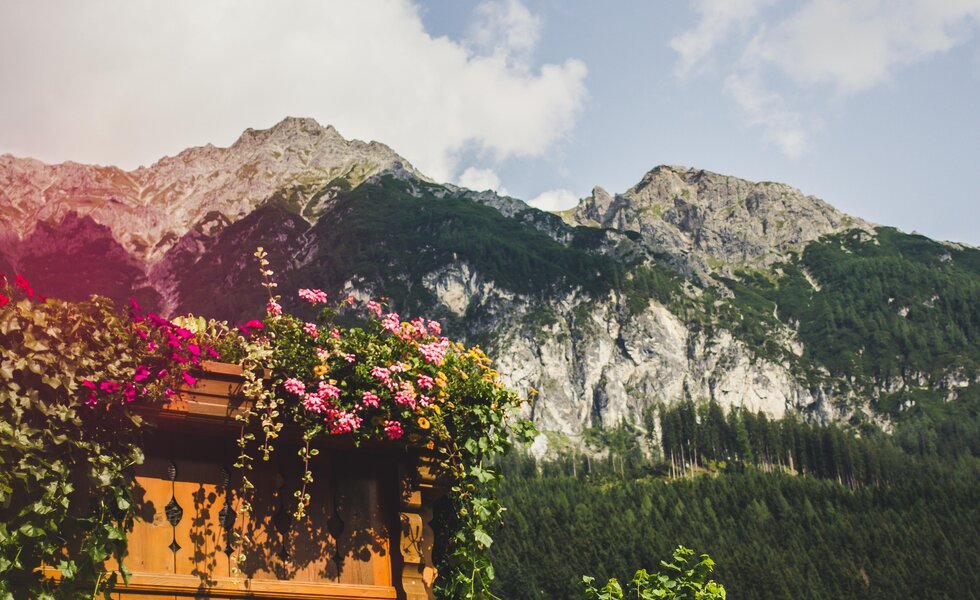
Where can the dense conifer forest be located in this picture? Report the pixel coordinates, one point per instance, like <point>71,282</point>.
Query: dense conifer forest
<point>787,509</point>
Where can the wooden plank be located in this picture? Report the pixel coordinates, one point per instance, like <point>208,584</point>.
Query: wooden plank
<point>189,586</point>
<point>210,366</point>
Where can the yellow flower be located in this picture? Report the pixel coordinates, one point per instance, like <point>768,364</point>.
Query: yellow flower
<point>430,445</point>
<point>423,423</point>
<point>436,409</point>
<point>320,370</point>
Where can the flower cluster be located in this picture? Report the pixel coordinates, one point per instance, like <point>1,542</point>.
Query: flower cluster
<point>391,379</point>
<point>390,370</point>
<point>313,296</point>
<point>168,352</point>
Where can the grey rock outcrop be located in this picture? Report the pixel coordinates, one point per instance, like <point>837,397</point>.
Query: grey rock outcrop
<point>715,220</point>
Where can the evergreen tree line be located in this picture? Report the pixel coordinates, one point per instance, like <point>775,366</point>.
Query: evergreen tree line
<point>787,509</point>
<point>694,436</point>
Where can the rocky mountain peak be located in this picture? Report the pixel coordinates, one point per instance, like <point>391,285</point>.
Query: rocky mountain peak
<point>717,220</point>
<point>203,188</point>
<point>290,129</point>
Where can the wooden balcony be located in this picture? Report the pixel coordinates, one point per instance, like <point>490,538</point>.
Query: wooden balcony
<point>366,532</point>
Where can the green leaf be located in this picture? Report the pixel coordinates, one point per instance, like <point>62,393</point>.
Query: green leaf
<point>482,538</point>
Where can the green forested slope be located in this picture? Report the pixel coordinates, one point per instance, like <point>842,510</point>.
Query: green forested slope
<point>871,310</point>
<point>773,536</point>
<point>869,519</point>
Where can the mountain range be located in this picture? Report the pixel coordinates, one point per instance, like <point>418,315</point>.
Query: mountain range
<point>690,284</point>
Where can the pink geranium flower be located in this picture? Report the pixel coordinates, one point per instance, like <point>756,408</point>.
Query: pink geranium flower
<point>435,328</point>
<point>391,322</point>
<point>294,386</point>
<point>382,374</point>
<point>425,382</point>
<point>344,422</point>
<point>328,391</point>
<point>314,403</point>
<point>434,353</point>
<point>313,296</point>
<point>370,399</point>
<point>393,429</point>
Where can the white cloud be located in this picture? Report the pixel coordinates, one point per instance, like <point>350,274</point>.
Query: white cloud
<point>717,20</point>
<point>479,180</point>
<point>854,45</point>
<point>553,200</point>
<point>504,28</point>
<point>820,50</point>
<point>781,127</point>
<point>126,81</point>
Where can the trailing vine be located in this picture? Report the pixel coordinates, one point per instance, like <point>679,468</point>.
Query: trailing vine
<point>70,372</point>
<point>389,380</point>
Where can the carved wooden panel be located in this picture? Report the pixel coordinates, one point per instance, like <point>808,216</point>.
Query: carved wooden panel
<point>183,543</point>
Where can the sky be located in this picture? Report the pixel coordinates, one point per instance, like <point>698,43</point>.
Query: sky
<point>871,105</point>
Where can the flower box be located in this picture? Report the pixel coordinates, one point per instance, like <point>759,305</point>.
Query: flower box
<point>365,534</point>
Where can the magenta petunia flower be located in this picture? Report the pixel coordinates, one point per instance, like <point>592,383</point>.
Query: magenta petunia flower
<point>109,386</point>
<point>20,282</point>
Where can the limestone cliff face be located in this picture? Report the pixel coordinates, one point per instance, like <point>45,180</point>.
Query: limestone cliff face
<point>715,220</point>
<point>594,362</point>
